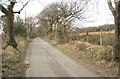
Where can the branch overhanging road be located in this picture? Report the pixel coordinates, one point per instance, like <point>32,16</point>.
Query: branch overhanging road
<point>47,61</point>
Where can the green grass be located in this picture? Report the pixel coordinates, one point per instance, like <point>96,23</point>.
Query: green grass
<point>77,54</point>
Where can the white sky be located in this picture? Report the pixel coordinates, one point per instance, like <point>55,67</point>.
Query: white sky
<point>104,16</point>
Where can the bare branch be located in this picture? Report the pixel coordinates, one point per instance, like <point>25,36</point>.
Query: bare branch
<point>17,12</point>
<point>22,7</point>
<point>5,11</point>
<point>111,7</point>
<point>11,5</point>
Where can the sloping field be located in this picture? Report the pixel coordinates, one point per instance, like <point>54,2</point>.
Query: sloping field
<point>96,33</point>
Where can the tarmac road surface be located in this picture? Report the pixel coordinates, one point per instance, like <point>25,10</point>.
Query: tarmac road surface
<point>47,61</point>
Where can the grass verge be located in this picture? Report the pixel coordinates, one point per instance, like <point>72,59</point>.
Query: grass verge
<point>13,60</point>
<point>102,67</point>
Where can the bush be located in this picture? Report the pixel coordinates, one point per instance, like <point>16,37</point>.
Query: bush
<point>96,51</point>
<point>19,28</point>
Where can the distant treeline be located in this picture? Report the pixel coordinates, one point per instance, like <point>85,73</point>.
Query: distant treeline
<point>96,29</point>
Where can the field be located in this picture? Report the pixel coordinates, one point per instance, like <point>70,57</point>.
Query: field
<point>97,33</point>
<point>94,38</point>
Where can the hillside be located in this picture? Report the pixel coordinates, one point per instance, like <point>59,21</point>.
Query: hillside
<point>96,29</point>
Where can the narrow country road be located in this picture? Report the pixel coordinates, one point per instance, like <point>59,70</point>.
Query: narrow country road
<point>47,61</point>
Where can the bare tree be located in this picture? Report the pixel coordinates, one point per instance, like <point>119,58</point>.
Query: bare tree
<point>31,23</point>
<point>9,14</point>
<point>62,14</point>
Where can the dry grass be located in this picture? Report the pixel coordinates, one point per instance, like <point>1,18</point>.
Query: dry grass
<point>97,33</point>
<point>94,38</point>
<point>98,58</point>
<point>13,60</point>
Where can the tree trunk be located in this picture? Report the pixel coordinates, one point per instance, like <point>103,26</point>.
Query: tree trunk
<point>11,41</point>
<point>117,35</point>
<point>116,13</point>
<point>31,31</point>
<point>119,70</point>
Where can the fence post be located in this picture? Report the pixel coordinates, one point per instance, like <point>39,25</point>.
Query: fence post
<point>87,34</point>
<point>101,42</point>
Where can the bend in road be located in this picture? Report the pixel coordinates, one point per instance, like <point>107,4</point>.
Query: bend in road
<point>47,61</point>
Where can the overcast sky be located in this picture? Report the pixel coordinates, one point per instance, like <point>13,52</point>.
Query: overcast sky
<point>104,16</point>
